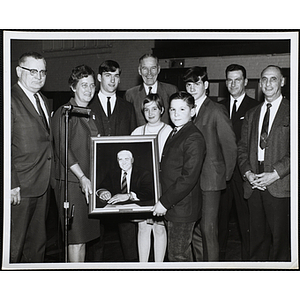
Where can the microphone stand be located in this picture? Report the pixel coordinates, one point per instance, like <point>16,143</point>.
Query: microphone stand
<point>66,201</point>
<point>67,218</point>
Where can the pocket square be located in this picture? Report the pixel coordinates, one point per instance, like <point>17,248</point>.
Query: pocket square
<point>242,118</point>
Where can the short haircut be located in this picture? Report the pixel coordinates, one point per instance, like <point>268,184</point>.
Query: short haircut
<point>272,66</point>
<point>194,74</point>
<point>185,96</point>
<point>236,67</point>
<point>109,66</point>
<point>126,151</point>
<point>148,55</point>
<point>78,73</point>
<point>153,98</point>
<point>33,54</point>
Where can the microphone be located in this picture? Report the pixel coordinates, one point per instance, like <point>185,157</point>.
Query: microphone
<point>78,109</point>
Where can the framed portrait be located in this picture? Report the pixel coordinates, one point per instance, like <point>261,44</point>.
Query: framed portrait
<point>110,158</point>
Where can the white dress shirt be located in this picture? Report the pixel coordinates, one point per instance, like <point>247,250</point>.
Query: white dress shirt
<point>198,103</point>
<point>103,100</point>
<point>238,102</point>
<point>30,96</point>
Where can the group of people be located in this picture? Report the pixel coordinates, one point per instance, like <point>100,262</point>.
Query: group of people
<point>212,156</point>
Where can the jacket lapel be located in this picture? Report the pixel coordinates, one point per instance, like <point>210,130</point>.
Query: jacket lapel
<point>279,117</point>
<point>28,105</point>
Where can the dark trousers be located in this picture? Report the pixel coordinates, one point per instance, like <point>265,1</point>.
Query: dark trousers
<point>180,241</point>
<point>28,230</point>
<point>233,197</point>
<point>128,237</point>
<point>128,240</point>
<point>269,227</point>
<point>205,237</point>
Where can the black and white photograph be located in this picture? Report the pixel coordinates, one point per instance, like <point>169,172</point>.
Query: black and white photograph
<point>150,150</point>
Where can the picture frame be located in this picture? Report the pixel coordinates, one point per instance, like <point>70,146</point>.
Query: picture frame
<point>105,167</point>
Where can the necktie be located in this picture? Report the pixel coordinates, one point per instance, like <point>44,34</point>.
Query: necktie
<point>41,112</point>
<point>233,112</point>
<point>108,107</point>
<point>150,88</point>
<point>264,128</point>
<point>124,184</point>
<point>174,131</point>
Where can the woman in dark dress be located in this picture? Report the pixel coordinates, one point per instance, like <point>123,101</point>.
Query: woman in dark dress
<point>81,128</point>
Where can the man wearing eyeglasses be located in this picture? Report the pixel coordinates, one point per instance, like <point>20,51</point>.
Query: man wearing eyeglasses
<point>31,161</point>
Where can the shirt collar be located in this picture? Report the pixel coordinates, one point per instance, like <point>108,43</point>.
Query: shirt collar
<point>102,96</point>
<point>275,103</point>
<point>199,102</point>
<point>239,99</point>
<point>28,93</point>
<point>154,88</point>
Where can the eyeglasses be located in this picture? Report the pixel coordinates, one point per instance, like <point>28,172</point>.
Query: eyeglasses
<point>34,72</point>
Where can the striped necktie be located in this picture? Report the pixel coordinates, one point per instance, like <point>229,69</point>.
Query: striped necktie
<point>124,184</point>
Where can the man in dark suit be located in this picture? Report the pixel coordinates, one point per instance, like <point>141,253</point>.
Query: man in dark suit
<point>139,187</point>
<point>264,161</point>
<point>221,152</point>
<point>237,104</point>
<point>113,117</point>
<point>31,161</point>
<point>149,69</point>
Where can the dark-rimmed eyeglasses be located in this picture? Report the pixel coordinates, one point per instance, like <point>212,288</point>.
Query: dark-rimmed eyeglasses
<point>34,72</point>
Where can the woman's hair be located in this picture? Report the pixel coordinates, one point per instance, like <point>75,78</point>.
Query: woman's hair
<point>153,98</point>
<point>78,73</point>
<point>194,74</point>
<point>185,96</point>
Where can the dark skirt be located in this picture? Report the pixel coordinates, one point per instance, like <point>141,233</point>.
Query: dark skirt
<point>83,228</point>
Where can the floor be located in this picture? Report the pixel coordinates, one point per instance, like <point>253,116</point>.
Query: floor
<point>112,249</point>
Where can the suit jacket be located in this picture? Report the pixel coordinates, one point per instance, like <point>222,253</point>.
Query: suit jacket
<point>221,149</point>
<point>238,119</point>
<point>277,151</point>
<point>181,165</point>
<point>141,183</point>
<point>237,123</point>
<point>137,94</point>
<point>121,122</point>
<point>32,163</point>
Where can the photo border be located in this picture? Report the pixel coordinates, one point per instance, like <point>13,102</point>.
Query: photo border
<point>291,35</point>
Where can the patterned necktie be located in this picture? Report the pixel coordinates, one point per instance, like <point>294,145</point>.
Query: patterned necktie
<point>174,131</point>
<point>264,128</point>
<point>150,88</point>
<point>233,112</point>
<point>108,107</point>
<point>41,111</point>
<point>124,184</point>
